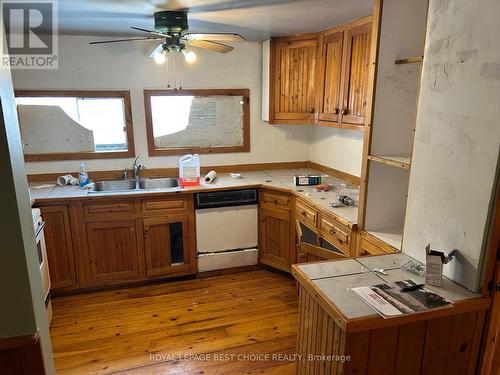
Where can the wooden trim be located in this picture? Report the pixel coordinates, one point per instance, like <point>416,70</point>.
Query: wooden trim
<point>153,151</point>
<point>355,180</point>
<point>493,252</point>
<point>127,106</point>
<point>341,125</point>
<point>19,341</point>
<point>410,60</point>
<point>388,161</point>
<point>369,114</point>
<point>173,172</point>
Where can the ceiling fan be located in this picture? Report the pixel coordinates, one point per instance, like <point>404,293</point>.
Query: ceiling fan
<point>172,29</point>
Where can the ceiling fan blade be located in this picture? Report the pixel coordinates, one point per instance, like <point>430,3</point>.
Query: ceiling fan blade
<point>214,46</point>
<point>151,32</point>
<point>125,40</point>
<point>228,37</point>
<point>156,50</point>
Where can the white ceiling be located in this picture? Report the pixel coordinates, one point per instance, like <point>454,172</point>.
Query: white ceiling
<point>254,19</point>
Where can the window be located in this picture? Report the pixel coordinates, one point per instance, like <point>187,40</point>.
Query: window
<point>197,121</point>
<point>60,125</point>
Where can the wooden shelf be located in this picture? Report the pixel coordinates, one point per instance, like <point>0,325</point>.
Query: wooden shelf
<point>411,60</point>
<point>391,236</point>
<point>400,161</point>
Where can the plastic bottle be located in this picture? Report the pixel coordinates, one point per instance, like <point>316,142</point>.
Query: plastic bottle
<point>189,170</point>
<point>83,177</point>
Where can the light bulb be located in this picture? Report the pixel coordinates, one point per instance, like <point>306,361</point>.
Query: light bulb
<point>159,58</point>
<point>190,57</point>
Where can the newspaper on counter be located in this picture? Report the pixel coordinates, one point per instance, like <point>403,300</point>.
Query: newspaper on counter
<point>400,298</point>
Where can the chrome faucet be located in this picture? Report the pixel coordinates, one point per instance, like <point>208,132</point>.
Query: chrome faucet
<point>136,168</point>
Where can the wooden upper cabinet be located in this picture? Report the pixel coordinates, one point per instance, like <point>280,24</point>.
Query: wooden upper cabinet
<point>357,64</point>
<point>329,90</point>
<point>321,78</point>
<point>112,251</point>
<point>293,76</point>
<point>59,247</point>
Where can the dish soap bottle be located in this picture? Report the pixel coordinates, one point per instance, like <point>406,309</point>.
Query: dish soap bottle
<point>189,170</point>
<point>83,177</point>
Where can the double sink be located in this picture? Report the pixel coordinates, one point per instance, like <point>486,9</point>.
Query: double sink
<point>141,184</point>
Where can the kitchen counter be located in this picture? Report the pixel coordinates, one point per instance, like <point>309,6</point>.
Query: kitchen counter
<point>333,281</point>
<point>336,324</point>
<point>279,179</point>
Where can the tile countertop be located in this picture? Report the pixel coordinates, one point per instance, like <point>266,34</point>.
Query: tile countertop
<point>276,178</point>
<point>335,279</point>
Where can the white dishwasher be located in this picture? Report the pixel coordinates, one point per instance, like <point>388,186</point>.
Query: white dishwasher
<point>226,229</point>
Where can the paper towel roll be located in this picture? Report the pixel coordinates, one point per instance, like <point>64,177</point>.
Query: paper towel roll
<point>67,179</point>
<point>210,177</point>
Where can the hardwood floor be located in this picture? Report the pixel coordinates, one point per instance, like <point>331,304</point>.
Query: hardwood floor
<point>231,324</point>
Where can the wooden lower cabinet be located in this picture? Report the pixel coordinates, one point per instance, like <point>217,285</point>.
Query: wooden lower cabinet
<point>112,250</point>
<point>117,241</point>
<point>447,344</point>
<point>59,247</point>
<point>276,248</point>
<point>166,245</point>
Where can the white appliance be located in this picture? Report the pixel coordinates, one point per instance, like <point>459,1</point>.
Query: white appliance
<point>39,226</point>
<point>226,229</point>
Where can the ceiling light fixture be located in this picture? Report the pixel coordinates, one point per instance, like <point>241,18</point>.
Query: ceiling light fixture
<point>159,58</point>
<point>190,56</point>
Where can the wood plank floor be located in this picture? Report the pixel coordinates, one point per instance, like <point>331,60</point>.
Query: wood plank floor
<point>231,324</point>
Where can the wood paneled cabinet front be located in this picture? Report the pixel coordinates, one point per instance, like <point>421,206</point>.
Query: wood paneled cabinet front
<point>276,248</point>
<point>112,251</point>
<point>59,246</point>
<point>275,230</point>
<point>292,79</point>
<point>343,74</point>
<point>321,78</point>
<point>166,245</point>
<point>117,241</point>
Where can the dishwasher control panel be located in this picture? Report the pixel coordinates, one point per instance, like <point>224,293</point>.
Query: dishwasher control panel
<point>226,198</point>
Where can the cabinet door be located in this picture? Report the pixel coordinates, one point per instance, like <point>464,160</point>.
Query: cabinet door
<point>356,67</point>
<point>329,76</point>
<point>276,248</point>
<point>294,81</point>
<point>59,247</point>
<point>112,250</point>
<point>166,245</point>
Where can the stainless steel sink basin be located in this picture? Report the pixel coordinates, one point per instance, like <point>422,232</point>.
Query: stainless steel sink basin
<point>115,185</point>
<point>158,183</point>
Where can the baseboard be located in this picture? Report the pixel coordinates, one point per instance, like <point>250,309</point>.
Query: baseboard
<point>355,180</point>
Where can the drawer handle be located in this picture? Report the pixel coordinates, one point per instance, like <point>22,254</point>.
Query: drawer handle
<point>344,112</point>
<point>304,213</point>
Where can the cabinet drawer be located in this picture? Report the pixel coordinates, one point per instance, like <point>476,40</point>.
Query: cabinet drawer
<point>153,206</point>
<point>275,200</point>
<point>109,208</point>
<point>306,214</point>
<point>336,233</point>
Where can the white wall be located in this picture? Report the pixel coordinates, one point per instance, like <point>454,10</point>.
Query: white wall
<point>127,66</point>
<point>337,148</point>
<point>457,135</point>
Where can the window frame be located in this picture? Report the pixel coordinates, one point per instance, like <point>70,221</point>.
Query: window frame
<point>153,151</point>
<point>58,156</point>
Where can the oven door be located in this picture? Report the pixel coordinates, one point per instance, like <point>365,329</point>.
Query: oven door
<point>42,257</point>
